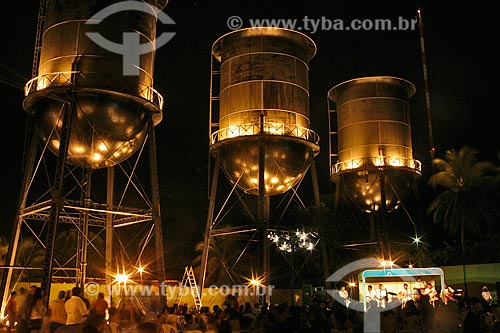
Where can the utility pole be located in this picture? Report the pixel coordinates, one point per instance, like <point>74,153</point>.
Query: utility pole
<point>432,149</point>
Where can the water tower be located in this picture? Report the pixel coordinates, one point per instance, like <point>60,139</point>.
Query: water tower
<point>89,119</point>
<point>260,134</point>
<point>375,165</point>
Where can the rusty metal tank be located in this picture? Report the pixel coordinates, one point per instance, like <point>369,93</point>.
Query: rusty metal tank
<point>375,155</point>
<point>264,102</point>
<point>111,109</point>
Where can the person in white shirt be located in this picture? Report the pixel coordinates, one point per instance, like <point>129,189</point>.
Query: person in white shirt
<point>486,298</point>
<point>381,295</point>
<point>419,285</point>
<point>370,294</point>
<point>418,289</point>
<point>345,295</point>
<point>76,310</point>
<point>447,294</point>
<point>431,292</point>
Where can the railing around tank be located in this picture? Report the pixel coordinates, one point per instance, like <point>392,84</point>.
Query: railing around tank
<point>58,79</point>
<point>378,161</point>
<point>278,129</point>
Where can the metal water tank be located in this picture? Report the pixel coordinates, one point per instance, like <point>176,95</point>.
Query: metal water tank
<point>375,155</point>
<point>111,109</point>
<point>264,102</point>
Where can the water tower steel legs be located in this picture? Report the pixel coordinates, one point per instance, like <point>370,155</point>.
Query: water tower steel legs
<point>18,221</point>
<point>382,214</point>
<point>263,212</point>
<point>319,225</point>
<point>57,202</point>
<point>83,239</point>
<point>209,224</point>
<point>156,213</point>
<point>262,221</point>
<point>108,269</point>
<point>79,214</point>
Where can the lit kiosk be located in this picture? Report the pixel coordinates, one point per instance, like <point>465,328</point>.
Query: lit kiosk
<point>375,164</point>
<point>260,132</point>
<point>83,209</point>
<point>393,279</point>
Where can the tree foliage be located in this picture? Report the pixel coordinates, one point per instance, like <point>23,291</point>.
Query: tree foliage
<point>466,204</point>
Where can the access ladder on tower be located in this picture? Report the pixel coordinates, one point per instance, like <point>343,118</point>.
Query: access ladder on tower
<point>189,280</point>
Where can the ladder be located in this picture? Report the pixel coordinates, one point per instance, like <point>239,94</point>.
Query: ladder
<point>189,280</point>
<point>38,38</point>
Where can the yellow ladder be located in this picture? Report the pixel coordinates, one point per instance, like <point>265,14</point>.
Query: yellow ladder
<point>189,280</point>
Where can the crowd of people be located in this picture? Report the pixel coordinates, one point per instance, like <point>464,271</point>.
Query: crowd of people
<point>430,312</point>
<point>70,312</point>
<point>417,316</point>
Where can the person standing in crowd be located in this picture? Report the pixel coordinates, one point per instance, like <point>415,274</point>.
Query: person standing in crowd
<point>57,312</point>
<point>100,305</point>
<point>98,309</point>
<point>148,327</point>
<point>98,321</point>
<point>486,298</point>
<point>11,311</point>
<point>472,319</point>
<point>22,315</point>
<point>191,324</point>
<point>85,300</point>
<point>20,298</point>
<point>235,302</point>
<point>76,310</point>
<point>35,310</point>
<point>496,314</point>
<point>344,295</point>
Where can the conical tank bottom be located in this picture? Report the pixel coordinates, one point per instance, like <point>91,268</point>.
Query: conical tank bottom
<point>286,160</point>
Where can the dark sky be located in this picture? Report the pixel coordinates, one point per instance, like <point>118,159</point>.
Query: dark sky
<point>459,48</point>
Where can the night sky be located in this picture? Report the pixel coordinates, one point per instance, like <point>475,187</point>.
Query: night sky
<point>459,48</point>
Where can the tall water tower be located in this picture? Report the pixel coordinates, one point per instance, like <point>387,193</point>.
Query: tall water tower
<point>260,132</point>
<point>90,117</point>
<point>375,165</point>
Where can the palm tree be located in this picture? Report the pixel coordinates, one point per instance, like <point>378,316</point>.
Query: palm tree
<point>216,274</point>
<point>465,202</point>
<point>228,261</point>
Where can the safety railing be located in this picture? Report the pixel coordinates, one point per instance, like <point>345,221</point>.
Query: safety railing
<point>378,161</point>
<point>278,129</point>
<point>59,79</point>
